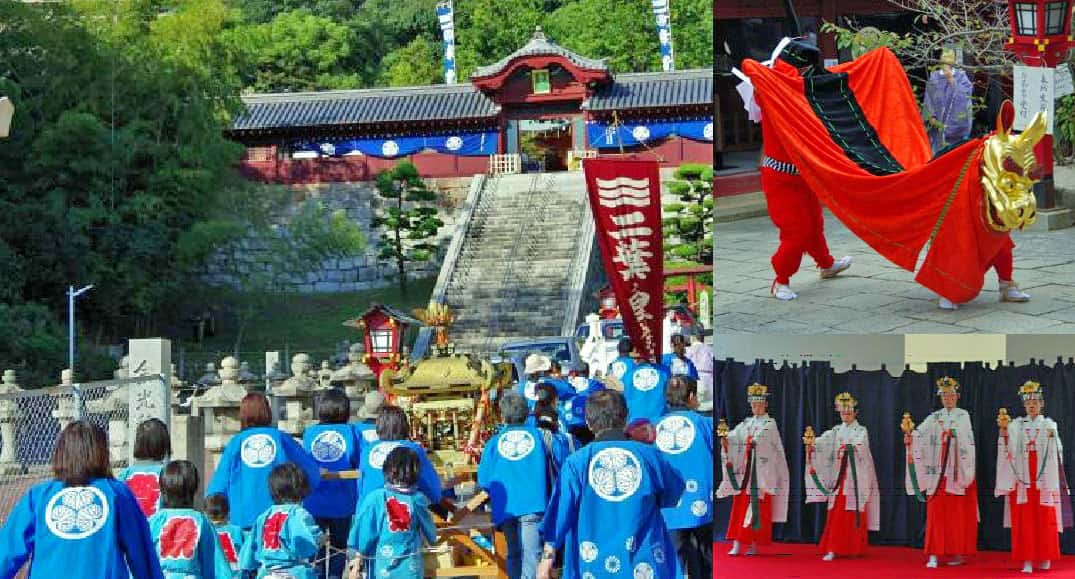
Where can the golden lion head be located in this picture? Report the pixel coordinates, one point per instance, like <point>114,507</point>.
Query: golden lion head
<point>1009,172</point>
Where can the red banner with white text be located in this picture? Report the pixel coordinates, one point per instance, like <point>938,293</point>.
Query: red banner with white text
<point>625,197</point>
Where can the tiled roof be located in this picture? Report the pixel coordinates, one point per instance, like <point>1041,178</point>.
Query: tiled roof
<point>654,89</point>
<point>362,107</point>
<point>540,46</point>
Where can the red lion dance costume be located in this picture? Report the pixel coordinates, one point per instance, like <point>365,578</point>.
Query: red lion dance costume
<point>855,136</point>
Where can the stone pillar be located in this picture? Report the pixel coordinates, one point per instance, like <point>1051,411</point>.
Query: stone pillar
<point>152,358</point>
<point>188,443</point>
<point>356,378</point>
<point>324,376</point>
<point>219,409</point>
<point>295,396</point>
<point>65,401</point>
<point>9,418</point>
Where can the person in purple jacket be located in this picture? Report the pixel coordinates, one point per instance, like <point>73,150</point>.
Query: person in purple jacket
<point>249,458</point>
<point>83,524</point>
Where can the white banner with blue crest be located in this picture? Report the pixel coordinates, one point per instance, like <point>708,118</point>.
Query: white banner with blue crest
<point>446,19</point>
<point>663,14</point>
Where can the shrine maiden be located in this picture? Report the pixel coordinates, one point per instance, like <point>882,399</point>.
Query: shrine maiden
<point>250,456</point>
<point>285,538</point>
<point>152,445</point>
<point>1029,459</point>
<point>940,464</point>
<point>756,472</point>
<point>685,439</point>
<point>840,472</point>
<point>676,362</point>
<point>392,431</point>
<point>83,524</point>
<point>185,538</point>
<point>605,510</point>
<point>334,446</point>
<point>644,388</point>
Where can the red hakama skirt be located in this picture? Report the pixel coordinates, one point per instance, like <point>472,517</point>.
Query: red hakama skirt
<point>952,522</point>
<point>841,536</point>
<point>1035,536</point>
<point>740,506</point>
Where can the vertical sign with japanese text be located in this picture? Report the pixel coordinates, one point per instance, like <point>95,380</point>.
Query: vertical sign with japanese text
<point>625,196</point>
<point>1033,89</point>
<point>446,20</point>
<point>151,358</point>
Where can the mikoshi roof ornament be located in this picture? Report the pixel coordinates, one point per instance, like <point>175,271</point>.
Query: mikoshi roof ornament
<point>1010,170</point>
<point>845,401</point>
<point>947,385</point>
<point>757,392</point>
<point>1030,390</point>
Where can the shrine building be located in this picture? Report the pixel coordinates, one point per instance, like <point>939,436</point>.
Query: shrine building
<point>541,108</point>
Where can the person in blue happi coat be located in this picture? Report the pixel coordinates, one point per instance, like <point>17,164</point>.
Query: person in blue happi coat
<point>82,516</point>
<point>685,439</point>
<point>393,521</point>
<point>285,538</point>
<point>624,363</point>
<point>393,429</point>
<point>230,538</point>
<point>546,416</point>
<point>605,510</point>
<point>366,426</point>
<point>250,456</point>
<point>574,408</point>
<point>335,447</point>
<point>676,362</point>
<point>152,445</point>
<point>644,388</point>
<point>514,470</point>
<point>185,538</point>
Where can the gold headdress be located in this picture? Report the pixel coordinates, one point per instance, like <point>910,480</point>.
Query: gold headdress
<point>846,401</point>
<point>947,385</point>
<point>757,392</point>
<point>1030,390</point>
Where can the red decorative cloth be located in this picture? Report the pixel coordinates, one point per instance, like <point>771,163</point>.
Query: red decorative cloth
<point>740,506</point>
<point>895,214</point>
<point>841,536</point>
<point>399,515</point>
<point>145,486</point>
<point>270,533</point>
<point>952,522</point>
<point>1035,536</point>
<point>179,538</point>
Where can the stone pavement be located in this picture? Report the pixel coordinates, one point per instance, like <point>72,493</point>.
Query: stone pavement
<point>875,296</point>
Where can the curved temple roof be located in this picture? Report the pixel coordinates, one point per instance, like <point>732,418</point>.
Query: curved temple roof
<point>539,45</point>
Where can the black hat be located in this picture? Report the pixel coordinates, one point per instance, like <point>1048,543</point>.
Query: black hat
<point>800,53</point>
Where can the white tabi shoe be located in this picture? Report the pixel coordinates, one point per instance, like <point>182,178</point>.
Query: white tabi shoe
<point>957,560</point>
<point>783,293</point>
<point>829,556</point>
<point>1010,292</point>
<point>1028,567</point>
<point>932,563</point>
<point>1045,565</point>
<point>947,305</point>
<point>753,550</point>
<point>735,549</point>
<point>837,266</point>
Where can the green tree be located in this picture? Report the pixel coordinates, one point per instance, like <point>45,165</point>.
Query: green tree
<point>406,227</point>
<point>418,63</point>
<point>488,30</point>
<point>688,224</point>
<point>622,31</point>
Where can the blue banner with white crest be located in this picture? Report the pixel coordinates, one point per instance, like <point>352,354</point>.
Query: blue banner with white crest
<point>469,144</point>
<point>602,135</point>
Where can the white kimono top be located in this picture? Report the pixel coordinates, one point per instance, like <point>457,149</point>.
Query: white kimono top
<point>829,451</point>
<point>1013,463</point>
<point>772,464</point>
<point>927,448</point>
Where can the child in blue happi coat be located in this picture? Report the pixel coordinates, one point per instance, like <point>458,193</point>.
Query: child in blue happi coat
<point>230,537</point>
<point>285,538</point>
<point>334,446</point>
<point>677,363</point>
<point>185,539</point>
<point>152,445</point>
<point>83,524</point>
<point>393,521</point>
<point>243,472</point>
<point>393,429</point>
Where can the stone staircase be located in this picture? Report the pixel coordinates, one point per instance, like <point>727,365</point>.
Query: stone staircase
<point>523,261</point>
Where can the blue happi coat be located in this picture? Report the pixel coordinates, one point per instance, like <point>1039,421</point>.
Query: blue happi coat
<point>621,367</point>
<point>513,471</point>
<point>677,366</point>
<point>685,439</point>
<point>143,478</point>
<point>605,512</point>
<point>366,433</point>
<point>230,539</point>
<point>372,477</point>
<point>284,538</point>
<point>575,407</point>
<point>92,532</point>
<point>335,447</point>
<point>388,532</point>
<point>243,472</point>
<point>187,545</point>
<point>643,389</point>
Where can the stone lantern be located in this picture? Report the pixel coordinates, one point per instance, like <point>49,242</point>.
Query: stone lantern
<point>9,418</point>
<point>219,408</point>
<point>295,396</point>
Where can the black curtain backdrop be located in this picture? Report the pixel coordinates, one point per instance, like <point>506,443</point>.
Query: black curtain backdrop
<point>802,395</point>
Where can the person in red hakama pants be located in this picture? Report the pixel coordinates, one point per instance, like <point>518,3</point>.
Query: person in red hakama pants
<point>840,472</point>
<point>1029,459</point>
<point>940,465</point>
<point>755,471</point>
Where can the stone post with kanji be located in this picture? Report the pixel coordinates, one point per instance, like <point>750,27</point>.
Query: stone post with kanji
<point>9,418</point>
<point>152,358</point>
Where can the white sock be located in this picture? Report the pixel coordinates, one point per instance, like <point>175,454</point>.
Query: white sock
<point>735,549</point>
<point>1044,566</point>
<point>932,563</point>
<point>753,550</point>
<point>829,556</point>
<point>1028,567</point>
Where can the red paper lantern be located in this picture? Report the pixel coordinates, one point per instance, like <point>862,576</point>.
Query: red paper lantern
<point>1040,31</point>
